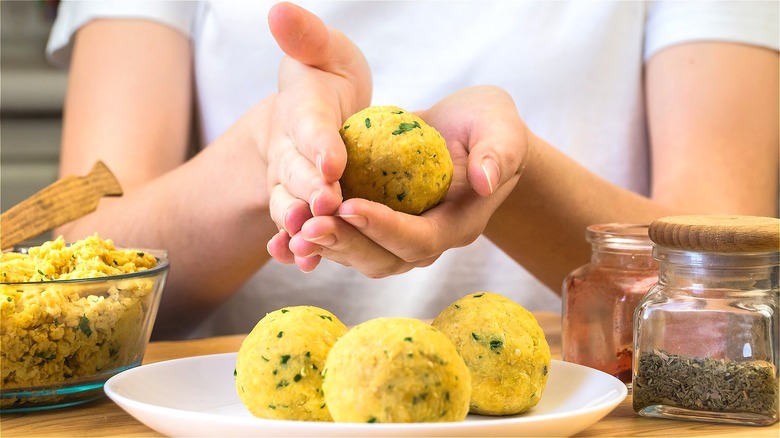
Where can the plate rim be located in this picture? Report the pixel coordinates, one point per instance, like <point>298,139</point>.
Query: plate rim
<point>607,405</point>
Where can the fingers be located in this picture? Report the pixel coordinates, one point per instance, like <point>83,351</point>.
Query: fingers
<point>309,124</point>
<point>278,248</point>
<point>288,212</point>
<point>301,177</point>
<point>367,233</point>
<point>323,80</point>
<point>333,238</point>
<point>492,133</point>
<point>484,172</point>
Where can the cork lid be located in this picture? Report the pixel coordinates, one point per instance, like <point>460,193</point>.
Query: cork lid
<point>717,233</point>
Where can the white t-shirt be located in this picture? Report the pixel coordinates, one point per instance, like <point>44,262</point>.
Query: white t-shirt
<point>574,70</point>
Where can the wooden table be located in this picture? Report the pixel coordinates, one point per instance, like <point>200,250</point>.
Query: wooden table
<point>104,418</point>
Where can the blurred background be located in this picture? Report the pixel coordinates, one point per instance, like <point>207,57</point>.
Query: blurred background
<point>31,98</point>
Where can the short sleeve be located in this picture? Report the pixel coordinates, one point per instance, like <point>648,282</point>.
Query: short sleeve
<point>747,22</point>
<point>72,15</point>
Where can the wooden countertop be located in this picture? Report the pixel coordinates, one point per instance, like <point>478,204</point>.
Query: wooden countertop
<point>104,418</point>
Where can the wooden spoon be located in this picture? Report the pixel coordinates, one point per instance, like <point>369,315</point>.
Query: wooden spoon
<point>63,201</point>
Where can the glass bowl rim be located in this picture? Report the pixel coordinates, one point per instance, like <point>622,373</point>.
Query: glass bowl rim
<point>163,264</point>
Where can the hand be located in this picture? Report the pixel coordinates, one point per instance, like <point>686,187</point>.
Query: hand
<point>488,144</point>
<point>323,80</point>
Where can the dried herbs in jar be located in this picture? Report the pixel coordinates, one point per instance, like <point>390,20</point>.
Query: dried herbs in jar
<point>705,346</point>
<point>706,384</point>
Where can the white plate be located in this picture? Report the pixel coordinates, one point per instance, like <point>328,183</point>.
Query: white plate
<point>196,396</point>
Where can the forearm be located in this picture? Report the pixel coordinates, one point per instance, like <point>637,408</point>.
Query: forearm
<point>210,214</point>
<point>542,223</point>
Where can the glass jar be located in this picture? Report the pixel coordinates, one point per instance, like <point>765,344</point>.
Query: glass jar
<point>706,336</point>
<point>600,297</point>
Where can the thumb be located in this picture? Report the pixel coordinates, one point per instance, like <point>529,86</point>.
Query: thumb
<point>304,37</point>
<point>300,34</point>
<point>484,120</point>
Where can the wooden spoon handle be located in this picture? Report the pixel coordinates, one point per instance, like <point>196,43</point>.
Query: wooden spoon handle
<point>63,201</point>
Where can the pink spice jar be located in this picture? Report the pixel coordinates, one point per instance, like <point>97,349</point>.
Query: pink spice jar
<point>599,298</point>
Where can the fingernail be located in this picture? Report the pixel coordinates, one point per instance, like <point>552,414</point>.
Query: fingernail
<point>318,163</point>
<point>284,220</point>
<point>355,220</point>
<point>326,240</point>
<point>313,200</point>
<point>492,173</point>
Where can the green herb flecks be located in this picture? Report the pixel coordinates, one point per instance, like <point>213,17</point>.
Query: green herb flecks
<point>297,378</point>
<point>478,295</point>
<point>280,334</point>
<point>284,359</point>
<point>408,339</point>
<point>282,384</point>
<point>284,311</point>
<point>372,420</point>
<point>265,359</point>
<point>496,344</point>
<point>475,336</point>
<point>419,398</point>
<point>45,355</point>
<point>84,325</point>
<point>368,122</point>
<point>400,197</point>
<point>406,127</point>
<point>326,317</point>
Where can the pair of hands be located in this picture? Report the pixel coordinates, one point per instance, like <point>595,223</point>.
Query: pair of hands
<point>323,80</point>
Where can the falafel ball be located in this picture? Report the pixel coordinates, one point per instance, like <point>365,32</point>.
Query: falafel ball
<point>504,348</point>
<point>396,370</point>
<point>279,364</point>
<point>395,158</point>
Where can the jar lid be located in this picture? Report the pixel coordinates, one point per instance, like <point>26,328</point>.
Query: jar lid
<point>717,233</point>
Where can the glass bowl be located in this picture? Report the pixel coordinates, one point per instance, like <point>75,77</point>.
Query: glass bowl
<point>60,340</point>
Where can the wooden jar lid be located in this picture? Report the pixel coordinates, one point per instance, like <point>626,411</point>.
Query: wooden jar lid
<point>717,233</point>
